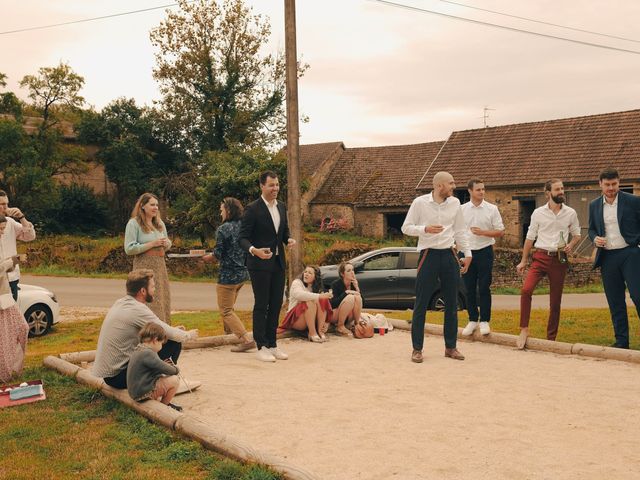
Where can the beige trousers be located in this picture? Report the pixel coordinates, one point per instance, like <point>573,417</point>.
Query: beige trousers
<point>227,295</point>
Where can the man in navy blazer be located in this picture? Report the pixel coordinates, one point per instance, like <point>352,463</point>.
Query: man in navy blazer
<point>614,228</point>
<point>264,233</point>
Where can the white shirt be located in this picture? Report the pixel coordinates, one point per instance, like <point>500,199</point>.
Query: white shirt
<point>425,211</point>
<point>273,210</point>
<point>615,240</point>
<point>14,231</point>
<point>485,216</point>
<point>546,226</point>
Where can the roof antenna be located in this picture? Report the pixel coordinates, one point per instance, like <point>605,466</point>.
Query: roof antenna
<point>485,115</point>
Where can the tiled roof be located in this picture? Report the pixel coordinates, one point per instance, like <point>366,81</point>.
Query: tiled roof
<point>572,149</point>
<point>312,156</point>
<point>378,176</point>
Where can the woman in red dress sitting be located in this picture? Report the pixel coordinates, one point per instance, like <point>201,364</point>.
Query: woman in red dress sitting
<point>309,307</point>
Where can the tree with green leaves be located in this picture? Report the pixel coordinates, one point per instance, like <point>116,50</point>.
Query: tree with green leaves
<point>233,173</point>
<point>9,103</point>
<point>52,89</point>
<point>218,86</point>
<point>132,148</point>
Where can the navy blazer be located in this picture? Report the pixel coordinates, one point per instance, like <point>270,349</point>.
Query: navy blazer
<point>257,230</point>
<point>628,221</point>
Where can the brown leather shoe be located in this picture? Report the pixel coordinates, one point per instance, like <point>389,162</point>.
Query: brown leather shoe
<point>416,356</point>
<point>453,353</point>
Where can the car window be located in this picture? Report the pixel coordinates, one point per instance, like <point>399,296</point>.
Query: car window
<point>411,260</point>
<point>384,261</point>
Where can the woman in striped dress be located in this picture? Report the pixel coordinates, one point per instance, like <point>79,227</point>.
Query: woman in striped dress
<point>146,239</point>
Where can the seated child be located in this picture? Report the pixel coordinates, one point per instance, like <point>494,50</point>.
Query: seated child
<point>147,375</point>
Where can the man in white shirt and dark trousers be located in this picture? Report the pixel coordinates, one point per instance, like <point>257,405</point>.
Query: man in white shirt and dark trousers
<point>437,220</point>
<point>550,225</point>
<point>484,225</point>
<point>614,228</point>
<point>18,228</point>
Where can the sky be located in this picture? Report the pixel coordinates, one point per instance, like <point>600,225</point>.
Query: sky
<point>379,75</point>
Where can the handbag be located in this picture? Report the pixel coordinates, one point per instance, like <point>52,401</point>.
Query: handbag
<point>362,328</point>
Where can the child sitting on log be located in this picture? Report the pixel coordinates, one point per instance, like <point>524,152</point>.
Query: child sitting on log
<point>147,375</point>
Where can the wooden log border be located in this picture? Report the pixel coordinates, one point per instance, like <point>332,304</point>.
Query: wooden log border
<point>562,348</point>
<point>196,429</point>
<point>187,425</point>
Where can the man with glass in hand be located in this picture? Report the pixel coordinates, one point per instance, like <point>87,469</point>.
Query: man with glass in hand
<point>18,228</point>
<point>614,228</point>
<point>264,234</point>
<point>550,227</point>
<point>437,220</point>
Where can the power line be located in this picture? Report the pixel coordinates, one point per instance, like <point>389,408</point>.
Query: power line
<point>42,27</point>
<point>541,22</point>
<point>503,27</point>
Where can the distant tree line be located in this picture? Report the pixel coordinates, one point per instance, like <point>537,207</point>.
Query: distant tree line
<point>220,122</point>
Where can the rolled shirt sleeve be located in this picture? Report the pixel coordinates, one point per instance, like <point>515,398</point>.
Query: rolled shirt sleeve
<point>411,226</point>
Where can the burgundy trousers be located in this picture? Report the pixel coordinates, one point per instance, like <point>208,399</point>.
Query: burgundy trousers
<point>543,264</point>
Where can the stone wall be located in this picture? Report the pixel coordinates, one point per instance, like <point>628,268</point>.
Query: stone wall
<point>504,270</point>
<point>369,222</point>
<point>336,211</point>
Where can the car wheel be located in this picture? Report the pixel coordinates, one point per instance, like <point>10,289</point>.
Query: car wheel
<point>39,318</point>
<point>437,303</point>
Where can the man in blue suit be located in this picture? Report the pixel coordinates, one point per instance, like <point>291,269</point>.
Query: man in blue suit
<point>614,228</point>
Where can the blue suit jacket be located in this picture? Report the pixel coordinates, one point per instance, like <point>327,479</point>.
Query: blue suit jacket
<point>628,220</point>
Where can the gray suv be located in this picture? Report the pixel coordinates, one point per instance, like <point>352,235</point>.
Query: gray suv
<point>387,279</point>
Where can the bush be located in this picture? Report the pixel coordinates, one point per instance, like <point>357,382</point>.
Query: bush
<point>75,209</point>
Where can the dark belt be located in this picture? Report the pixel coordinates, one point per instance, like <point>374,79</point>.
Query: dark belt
<point>547,252</point>
<point>155,252</point>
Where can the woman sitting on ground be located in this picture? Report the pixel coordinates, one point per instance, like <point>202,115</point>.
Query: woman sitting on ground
<point>309,307</point>
<point>347,301</point>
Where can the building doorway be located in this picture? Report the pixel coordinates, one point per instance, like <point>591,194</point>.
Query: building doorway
<point>393,223</point>
<point>527,206</point>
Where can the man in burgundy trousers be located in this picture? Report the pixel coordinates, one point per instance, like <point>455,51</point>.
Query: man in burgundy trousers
<point>550,227</point>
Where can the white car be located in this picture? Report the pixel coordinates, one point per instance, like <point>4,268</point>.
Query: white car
<point>40,308</point>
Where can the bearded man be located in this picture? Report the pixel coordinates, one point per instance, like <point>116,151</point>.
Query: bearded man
<point>550,227</point>
<point>119,333</point>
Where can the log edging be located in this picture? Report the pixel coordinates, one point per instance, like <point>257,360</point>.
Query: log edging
<point>187,425</point>
<point>538,344</point>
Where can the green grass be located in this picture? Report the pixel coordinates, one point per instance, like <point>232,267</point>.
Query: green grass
<point>589,325</point>
<point>78,433</point>
<point>593,288</point>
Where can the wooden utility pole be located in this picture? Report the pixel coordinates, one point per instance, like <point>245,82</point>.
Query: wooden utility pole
<point>293,139</point>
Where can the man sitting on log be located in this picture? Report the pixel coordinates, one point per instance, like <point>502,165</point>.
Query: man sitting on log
<point>119,333</point>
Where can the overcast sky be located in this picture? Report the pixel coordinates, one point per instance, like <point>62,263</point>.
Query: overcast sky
<point>378,75</point>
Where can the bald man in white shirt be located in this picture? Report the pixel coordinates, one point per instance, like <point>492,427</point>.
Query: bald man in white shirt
<point>437,220</point>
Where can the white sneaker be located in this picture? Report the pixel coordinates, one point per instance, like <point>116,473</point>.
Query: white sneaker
<point>470,328</point>
<point>277,353</point>
<point>485,329</point>
<point>265,355</point>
